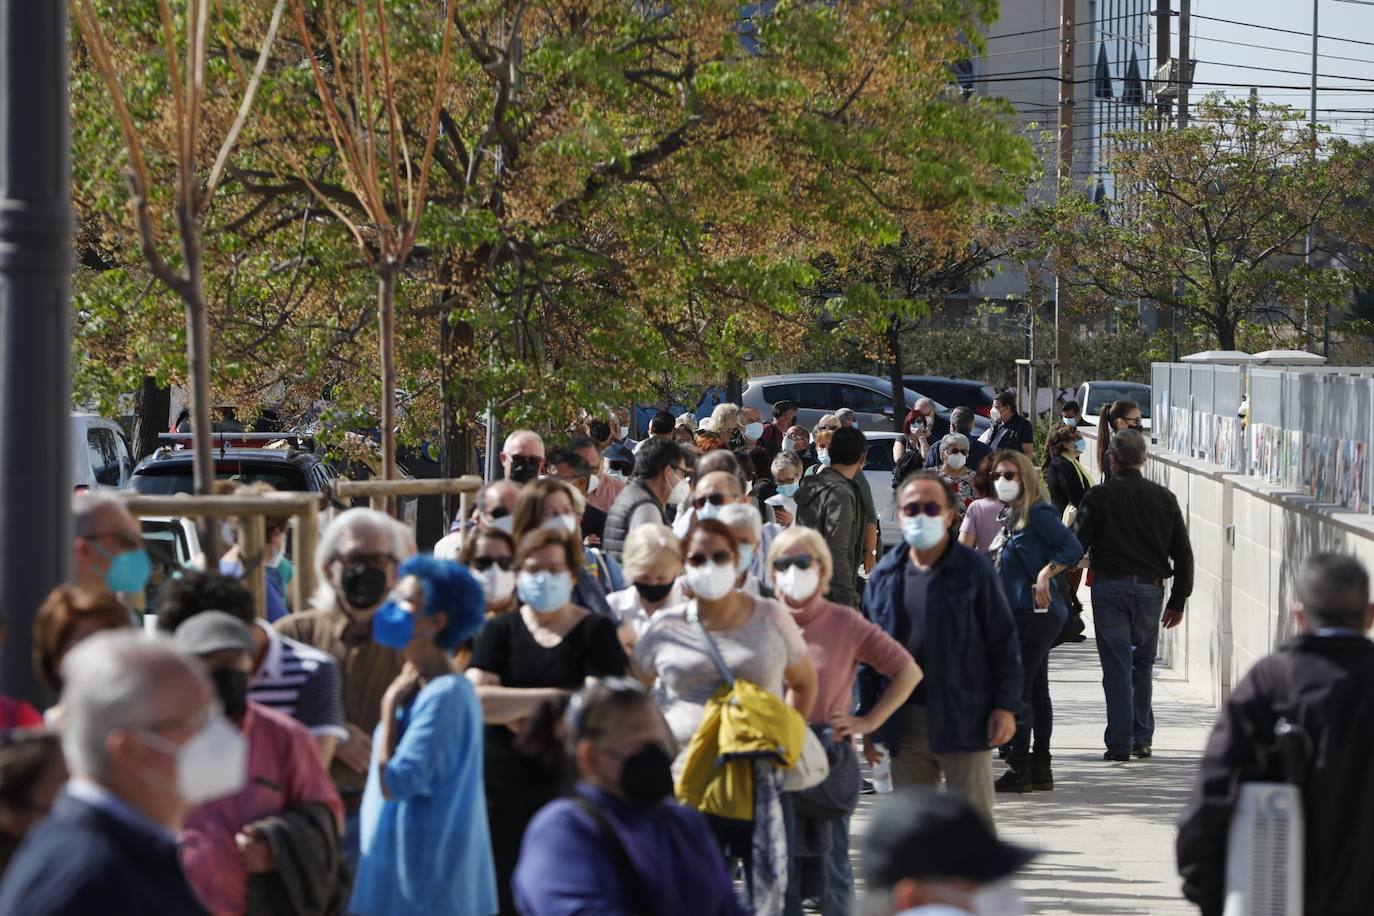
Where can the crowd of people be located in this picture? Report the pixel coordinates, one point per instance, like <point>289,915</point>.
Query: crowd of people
<point>639,677</point>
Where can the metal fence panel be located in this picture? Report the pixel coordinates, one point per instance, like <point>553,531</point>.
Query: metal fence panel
<point>1266,396</point>
<point>1159,402</point>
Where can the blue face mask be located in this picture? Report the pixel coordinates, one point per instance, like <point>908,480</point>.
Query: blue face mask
<point>923,531</point>
<point>129,571</point>
<point>545,592</point>
<point>1081,446</point>
<point>823,456</point>
<point>393,626</point>
<point>788,489</point>
<point>1070,421</point>
<point>754,431</point>
<point>746,556</point>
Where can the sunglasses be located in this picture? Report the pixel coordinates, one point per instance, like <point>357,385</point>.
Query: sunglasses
<point>1004,475</point>
<point>956,451</point>
<point>375,560</point>
<point>827,429</point>
<point>715,499</point>
<point>719,558</point>
<point>499,512</point>
<point>930,507</point>
<point>783,564</point>
<point>482,564</point>
<point>1138,427</point>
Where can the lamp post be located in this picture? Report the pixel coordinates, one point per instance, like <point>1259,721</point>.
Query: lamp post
<point>35,332</point>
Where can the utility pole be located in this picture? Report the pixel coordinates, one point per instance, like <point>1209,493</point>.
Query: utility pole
<point>1163,54</point>
<point>1185,81</point>
<point>1065,174</point>
<point>35,326</point>
<point>1312,123</point>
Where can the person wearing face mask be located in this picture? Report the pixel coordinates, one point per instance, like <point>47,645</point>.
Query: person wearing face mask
<point>551,503</point>
<point>108,552</point>
<point>607,486</point>
<point>940,599</point>
<point>653,563</point>
<point>797,441</point>
<point>521,660</point>
<point>572,469</point>
<point>1036,549</point>
<point>928,853</point>
<point>960,421</point>
<point>758,642</point>
<point>1121,415</point>
<point>1065,477</point>
<point>279,570</point>
<point>620,843</point>
<point>489,555</point>
<point>1071,413</point>
<point>744,521</point>
<point>838,639</point>
<point>922,431</point>
<point>426,845</point>
<point>725,420</point>
<point>845,417</point>
<point>955,471</point>
<point>221,844</point>
<point>719,483</point>
<point>145,742</point>
<point>787,473</point>
<point>1010,430</point>
<point>355,565</point>
<point>749,431</point>
<point>660,480</point>
<point>522,457</point>
<point>868,509</point>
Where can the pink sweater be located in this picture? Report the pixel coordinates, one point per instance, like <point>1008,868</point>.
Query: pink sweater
<point>839,638</point>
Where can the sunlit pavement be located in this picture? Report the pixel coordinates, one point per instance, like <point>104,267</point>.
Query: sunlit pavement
<point>1106,832</point>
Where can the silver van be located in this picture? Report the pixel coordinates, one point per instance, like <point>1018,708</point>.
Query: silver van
<point>100,456</point>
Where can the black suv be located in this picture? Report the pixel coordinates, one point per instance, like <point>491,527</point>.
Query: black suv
<point>954,392</point>
<point>168,471</point>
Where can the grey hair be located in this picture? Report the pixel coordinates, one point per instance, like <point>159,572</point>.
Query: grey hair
<point>737,515</point>
<point>958,439</point>
<point>787,461</point>
<point>401,545</point>
<point>844,413</point>
<point>926,404</point>
<point>108,682</point>
<point>86,509</point>
<point>1128,448</point>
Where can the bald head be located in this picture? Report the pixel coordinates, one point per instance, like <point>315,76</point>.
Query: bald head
<point>522,457</point>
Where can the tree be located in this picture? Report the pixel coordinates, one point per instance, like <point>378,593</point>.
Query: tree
<point>196,182</point>
<point>1208,220</point>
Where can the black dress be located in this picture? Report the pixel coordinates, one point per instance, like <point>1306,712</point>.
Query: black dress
<point>517,784</point>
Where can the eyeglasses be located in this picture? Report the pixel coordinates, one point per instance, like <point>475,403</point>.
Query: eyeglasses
<point>827,429</point>
<point>715,499</point>
<point>719,558</point>
<point>482,564</point>
<point>796,438</point>
<point>499,512</point>
<point>783,564</point>
<point>375,560</point>
<point>930,507</point>
<point>1004,475</point>
<point>956,451</point>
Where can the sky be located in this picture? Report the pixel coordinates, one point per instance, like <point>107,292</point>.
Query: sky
<point>1221,48</point>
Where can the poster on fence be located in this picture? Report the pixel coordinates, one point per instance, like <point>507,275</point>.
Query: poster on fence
<point>1359,499</point>
<point>1178,430</point>
<point>1292,460</point>
<point>1224,442</point>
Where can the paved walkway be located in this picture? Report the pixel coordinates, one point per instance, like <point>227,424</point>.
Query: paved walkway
<point>1106,832</point>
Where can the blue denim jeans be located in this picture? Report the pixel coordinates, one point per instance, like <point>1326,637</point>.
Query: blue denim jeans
<point>1126,618</point>
<point>352,845</point>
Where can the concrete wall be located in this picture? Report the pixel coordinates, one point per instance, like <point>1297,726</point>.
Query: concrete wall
<point>1249,542</point>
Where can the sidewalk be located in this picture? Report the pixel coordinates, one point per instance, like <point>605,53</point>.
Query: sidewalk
<point>1106,832</point>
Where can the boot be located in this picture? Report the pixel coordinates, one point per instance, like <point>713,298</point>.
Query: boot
<point>1042,777</point>
<point>1018,777</point>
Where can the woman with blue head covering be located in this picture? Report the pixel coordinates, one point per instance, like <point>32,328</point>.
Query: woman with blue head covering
<point>426,847</point>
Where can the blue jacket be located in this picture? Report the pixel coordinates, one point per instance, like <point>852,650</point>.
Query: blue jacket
<point>972,652</point>
<point>83,860</point>
<point>1027,551</point>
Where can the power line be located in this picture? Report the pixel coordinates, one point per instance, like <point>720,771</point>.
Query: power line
<point>1274,28</point>
<point>1300,51</point>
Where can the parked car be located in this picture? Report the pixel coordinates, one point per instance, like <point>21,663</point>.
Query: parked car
<point>1095,397</point>
<point>954,392</point>
<point>100,456</point>
<point>820,393</point>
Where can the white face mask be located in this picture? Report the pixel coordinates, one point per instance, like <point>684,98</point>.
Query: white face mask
<point>497,583</point>
<point>711,581</point>
<point>226,533</point>
<point>275,559</point>
<point>798,584</point>
<point>710,510</point>
<point>592,483</point>
<point>679,493</point>
<point>505,523</point>
<point>565,522</point>
<point>213,764</point>
<point>1007,490</point>
<point>956,460</point>
<point>789,445</point>
<point>746,556</point>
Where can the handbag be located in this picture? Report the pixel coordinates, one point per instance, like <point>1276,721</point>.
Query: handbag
<point>838,794</point>
<point>812,764</point>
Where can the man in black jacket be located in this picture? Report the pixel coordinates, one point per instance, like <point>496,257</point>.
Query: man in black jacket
<point>661,467</point>
<point>1323,679</point>
<point>132,707</point>
<point>1135,534</point>
<point>830,502</point>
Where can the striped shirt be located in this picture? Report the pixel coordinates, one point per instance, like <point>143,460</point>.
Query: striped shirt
<point>299,681</point>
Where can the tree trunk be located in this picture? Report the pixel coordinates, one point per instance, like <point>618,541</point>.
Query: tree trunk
<point>198,363</point>
<point>734,388</point>
<point>895,373</point>
<point>457,455</point>
<point>386,321</point>
<point>152,404</point>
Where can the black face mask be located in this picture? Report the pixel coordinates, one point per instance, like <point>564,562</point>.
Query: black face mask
<point>231,685</point>
<point>646,777</point>
<point>363,585</point>
<point>653,593</point>
<point>523,468</point>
